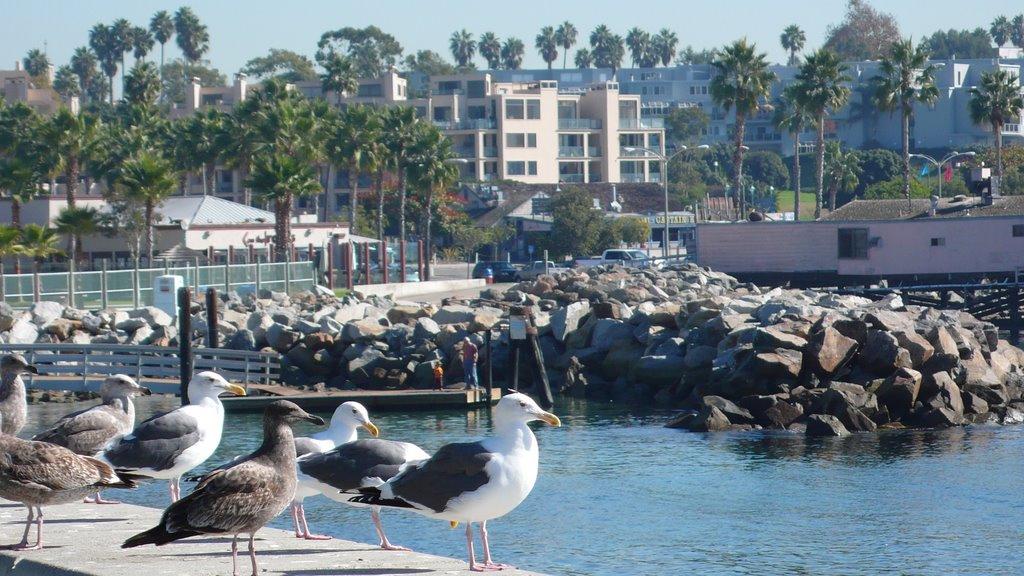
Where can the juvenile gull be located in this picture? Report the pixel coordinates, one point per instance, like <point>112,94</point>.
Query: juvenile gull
<point>341,472</point>
<point>39,474</point>
<point>87,431</point>
<point>169,445</point>
<point>13,406</point>
<point>242,497</point>
<point>347,417</point>
<point>474,481</point>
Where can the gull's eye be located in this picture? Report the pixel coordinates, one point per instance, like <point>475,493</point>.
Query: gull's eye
<point>354,411</point>
<point>523,404</point>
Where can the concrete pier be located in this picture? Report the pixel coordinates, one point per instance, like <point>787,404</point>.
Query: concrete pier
<point>85,540</point>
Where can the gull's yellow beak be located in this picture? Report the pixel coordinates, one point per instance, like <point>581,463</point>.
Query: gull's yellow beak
<point>236,389</point>
<point>550,418</point>
<point>373,430</point>
<point>454,524</point>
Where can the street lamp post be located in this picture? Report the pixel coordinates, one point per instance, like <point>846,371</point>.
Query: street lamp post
<point>664,180</point>
<point>939,163</point>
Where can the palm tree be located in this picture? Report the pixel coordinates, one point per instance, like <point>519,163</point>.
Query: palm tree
<point>37,64</point>
<point>142,42</point>
<point>1017,30</point>
<point>664,45</point>
<point>583,58</point>
<point>104,43</point>
<point>599,37</point>
<point>20,180</point>
<point>280,178</point>
<point>124,36</point>
<point>609,52</point>
<point>39,243</point>
<point>821,91</point>
<point>147,178</point>
<point>793,39</point>
<point>463,47</point>
<point>639,43</point>
<point>191,35</point>
<point>1000,29</point>
<point>792,117</point>
<point>905,78</point>
<point>512,53</point>
<point>339,76</point>
<point>65,83</point>
<point>995,102</point>
<point>432,169</point>
<point>547,45</point>
<point>565,35</point>
<point>358,127</point>
<point>83,63</point>
<point>490,49</point>
<point>142,85</point>
<point>398,130</point>
<point>76,223</point>
<point>203,130</point>
<point>843,171</point>
<point>69,136</point>
<point>10,238</point>
<point>742,81</point>
<point>161,26</point>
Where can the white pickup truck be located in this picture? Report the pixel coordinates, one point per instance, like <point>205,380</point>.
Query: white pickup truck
<point>630,258</point>
<point>537,267</point>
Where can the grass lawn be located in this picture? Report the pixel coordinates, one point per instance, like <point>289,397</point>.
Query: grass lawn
<point>784,203</point>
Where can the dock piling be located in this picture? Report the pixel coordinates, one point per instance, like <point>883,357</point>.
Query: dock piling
<point>184,340</point>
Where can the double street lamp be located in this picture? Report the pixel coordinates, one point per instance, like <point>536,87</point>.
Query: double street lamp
<point>649,152</point>
<point>939,163</point>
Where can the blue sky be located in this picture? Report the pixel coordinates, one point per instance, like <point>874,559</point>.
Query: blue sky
<point>243,29</point>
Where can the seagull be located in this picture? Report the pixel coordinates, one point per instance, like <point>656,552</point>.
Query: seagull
<point>169,445</point>
<point>13,406</point>
<point>39,474</point>
<point>87,431</point>
<point>241,498</point>
<point>347,417</point>
<point>473,481</point>
<point>341,472</point>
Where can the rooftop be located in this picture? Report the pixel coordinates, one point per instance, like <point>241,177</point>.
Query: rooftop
<point>205,210</point>
<point>919,209</point>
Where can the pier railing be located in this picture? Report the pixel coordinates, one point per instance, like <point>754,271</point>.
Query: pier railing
<point>84,366</point>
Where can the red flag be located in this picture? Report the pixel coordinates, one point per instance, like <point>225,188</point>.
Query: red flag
<point>948,175</point>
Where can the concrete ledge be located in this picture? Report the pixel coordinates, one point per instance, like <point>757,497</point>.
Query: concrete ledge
<point>85,540</point>
<point>399,290</point>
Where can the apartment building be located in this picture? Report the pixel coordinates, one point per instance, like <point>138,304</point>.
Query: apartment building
<point>17,86</point>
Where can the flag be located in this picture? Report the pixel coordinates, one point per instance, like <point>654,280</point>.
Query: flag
<point>948,174</point>
<point>924,170</point>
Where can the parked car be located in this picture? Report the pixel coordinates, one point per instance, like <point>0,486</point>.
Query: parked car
<point>537,267</point>
<point>503,271</point>
<point>630,258</point>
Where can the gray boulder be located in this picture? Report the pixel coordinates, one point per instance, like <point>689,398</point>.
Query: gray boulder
<point>829,350</point>
<point>45,312</point>
<point>565,321</point>
<point>734,413</point>
<point>710,419</point>
<point>23,331</point>
<point>825,425</point>
<point>454,314</point>
<point>153,316</point>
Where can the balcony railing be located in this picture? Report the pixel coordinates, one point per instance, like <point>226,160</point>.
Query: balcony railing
<point>479,124</point>
<point>578,124</point>
<point>465,152</point>
<point>490,152</point>
<point>594,152</point>
<point>570,151</point>
<point>570,177</point>
<point>636,152</point>
<point>632,178</point>
<point>641,124</point>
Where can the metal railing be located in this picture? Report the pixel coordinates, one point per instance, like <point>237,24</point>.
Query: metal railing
<point>478,124</point>
<point>631,178</point>
<point>594,151</point>
<point>84,366</point>
<point>490,152</point>
<point>570,151</point>
<point>579,124</point>
<point>570,177</point>
<point>134,288</point>
<point>641,124</point>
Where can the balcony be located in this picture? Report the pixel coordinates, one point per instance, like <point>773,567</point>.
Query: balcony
<point>641,124</point>
<point>570,151</point>
<point>465,152</point>
<point>594,152</point>
<point>479,124</point>
<point>636,152</point>
<point>578,124</point>
<point>631,178</point>
<point>576,178</point>
<point>490,152</point>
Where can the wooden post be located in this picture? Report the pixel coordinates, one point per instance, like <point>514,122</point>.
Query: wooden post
<point>71,282</point>
<point>366,262</point>
<point>347,263</point>
<point>231,254</point>
<point>329,254</point>
<point>489,374</point>
<point>542,388</point>
<point>209,255</point>
<point>419,262</point>
<point>271,253</point>
<point>382,257</point>
<point>135,284</point>
<point>212,335</point>
<point>401,261</point>
<point>104,298</point>
<point>167,267</point>
<point>36,288</point>
<point>252,252</point>
<point>195,277</point>
<point>184,341</point>
<point>310,252</point>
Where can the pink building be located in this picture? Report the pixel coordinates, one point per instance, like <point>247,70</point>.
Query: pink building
<point>867,240</point>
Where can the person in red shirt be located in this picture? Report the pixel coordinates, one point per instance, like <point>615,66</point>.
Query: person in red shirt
<point>469,355</point>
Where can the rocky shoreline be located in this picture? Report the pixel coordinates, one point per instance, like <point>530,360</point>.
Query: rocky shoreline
<point>730,355</point>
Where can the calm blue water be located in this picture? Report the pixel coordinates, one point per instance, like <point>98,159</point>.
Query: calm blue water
<point>620,494</point>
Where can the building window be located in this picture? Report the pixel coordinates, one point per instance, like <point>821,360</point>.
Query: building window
<point>938,241</point>
<point>853,243</point>
<point>531,168</point>
<point>515,168</point>
<point>1018,230</point>
<point>476,89</point>
<point>533,109</point>
<point>566,110</point>
<point>476,112</point>
<point>514,110</point>
<point>517,140</point>
<point>370,91</point>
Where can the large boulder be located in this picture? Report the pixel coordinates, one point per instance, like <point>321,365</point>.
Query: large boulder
<point>773,338</point>
<point>281,338</point>
<point>734,413</point>
<point>699,357</point>
<point>45,312</point>
<point>945,354</point>
<point>825,425</point>
<point>709,419</point>
<point>919,348</point>
<point>780,414</point>
<point>23,331</point>
<point>658,370</point>
<point>153,316</point>
<point>882,353</point>
<point>940,391</point>
<point>899,392</point>
<point>607,333</point>
<point>565,320</point>
<point>404,313</point>
<point>454,314</point>
<point>364,330</point>
<point>829,350</point>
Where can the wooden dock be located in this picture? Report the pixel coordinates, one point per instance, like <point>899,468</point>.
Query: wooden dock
<point>374,400</point>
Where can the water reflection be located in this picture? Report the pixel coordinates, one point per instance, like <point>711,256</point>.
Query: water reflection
<point>620,494</point>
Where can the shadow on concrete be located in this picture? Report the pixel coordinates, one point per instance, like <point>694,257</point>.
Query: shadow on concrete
<point>266,552</point>
<point>357,571</point>
<point>80,520</point>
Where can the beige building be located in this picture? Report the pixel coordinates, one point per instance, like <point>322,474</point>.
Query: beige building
<point>17,86</point>
<point>527,132</point>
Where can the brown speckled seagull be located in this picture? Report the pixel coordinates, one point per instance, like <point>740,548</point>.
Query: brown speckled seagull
<point>88,431</point>
<point>240,498</point>
<point>13,406</point>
